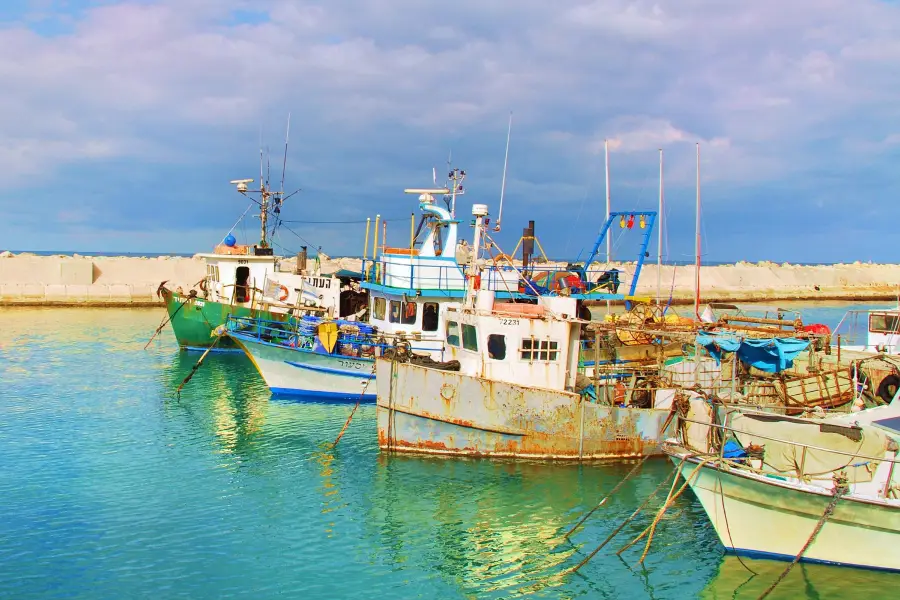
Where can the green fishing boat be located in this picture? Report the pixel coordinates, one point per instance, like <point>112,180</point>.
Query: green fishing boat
<point>246,281</point>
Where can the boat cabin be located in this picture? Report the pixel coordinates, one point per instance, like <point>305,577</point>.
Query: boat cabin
<point>535,345</point>
<point>876,330</point>
<point>237,275</point>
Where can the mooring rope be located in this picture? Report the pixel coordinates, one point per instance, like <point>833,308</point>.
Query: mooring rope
<point>840,488</point>
<point>622,482</point>
<point>651,529</point>
<point>165,320</point>
<point>607,497</point>
<point>197,366</point>
<point>353,412</point>
<point>630,518</point>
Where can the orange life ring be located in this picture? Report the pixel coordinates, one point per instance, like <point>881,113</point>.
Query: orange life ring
<point>284,293</point>
<point>202,285</point>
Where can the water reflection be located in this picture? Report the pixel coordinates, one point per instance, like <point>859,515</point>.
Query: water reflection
<point>496,528</point>
<point>734,580</point>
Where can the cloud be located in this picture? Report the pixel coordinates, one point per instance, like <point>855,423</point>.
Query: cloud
<point>140,112</point>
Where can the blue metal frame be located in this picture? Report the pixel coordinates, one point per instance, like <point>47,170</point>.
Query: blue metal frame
<point>651,219</point>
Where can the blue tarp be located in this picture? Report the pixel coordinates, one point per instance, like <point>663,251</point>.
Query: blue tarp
<point>771,355</point>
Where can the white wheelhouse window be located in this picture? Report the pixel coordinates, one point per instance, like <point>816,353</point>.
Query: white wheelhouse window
<point>534,350</point>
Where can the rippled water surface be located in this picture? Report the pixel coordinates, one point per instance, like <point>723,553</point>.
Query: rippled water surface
<point>110,487</point>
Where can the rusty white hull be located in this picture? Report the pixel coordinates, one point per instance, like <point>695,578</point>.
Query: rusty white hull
<point>443,412</point>
<point>763,517</point>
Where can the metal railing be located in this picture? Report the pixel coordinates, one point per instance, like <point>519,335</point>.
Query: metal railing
<point>297,335</point>
<point>496,277</point>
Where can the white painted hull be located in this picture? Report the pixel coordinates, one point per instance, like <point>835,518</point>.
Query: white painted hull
<point>292,372</point>
<point>771,519</point>
<point>426,410</point>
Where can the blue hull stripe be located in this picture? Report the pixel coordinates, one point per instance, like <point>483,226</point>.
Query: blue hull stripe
<point>330,371</point>
<point>788,557</point>
<point>319,396</point>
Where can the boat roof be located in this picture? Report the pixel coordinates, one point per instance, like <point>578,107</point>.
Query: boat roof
<point>236,257</point>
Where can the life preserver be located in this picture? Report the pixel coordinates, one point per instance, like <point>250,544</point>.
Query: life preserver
<point>410,310</point>
<point>284,293</point>
<point>202,285</point>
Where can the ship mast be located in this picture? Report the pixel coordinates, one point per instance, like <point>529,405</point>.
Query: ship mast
<point>263,215</point>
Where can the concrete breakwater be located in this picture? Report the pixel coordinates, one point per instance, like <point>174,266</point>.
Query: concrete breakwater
<point>28,279</point>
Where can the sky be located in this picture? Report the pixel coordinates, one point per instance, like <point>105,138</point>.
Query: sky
<point>121,123</point>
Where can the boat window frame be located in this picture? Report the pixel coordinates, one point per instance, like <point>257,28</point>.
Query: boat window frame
<point>391,306</point>
<point>451,336</point>
<point>469,342</point>
<point>887,317</point>
<point>502,348</point>
<point>437,316</point>
<point>376,314</point>
<point>404,319</point>
<point>539,350</point>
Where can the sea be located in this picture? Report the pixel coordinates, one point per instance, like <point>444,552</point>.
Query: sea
<point>112,486</point>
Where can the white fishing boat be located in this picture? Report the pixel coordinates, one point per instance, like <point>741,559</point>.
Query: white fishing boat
<point>875,330</point>
<point>508,387</point>
<point>410,291</point>
<point>816,490</point>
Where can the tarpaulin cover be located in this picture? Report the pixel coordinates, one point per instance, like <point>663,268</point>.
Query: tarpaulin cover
<point>771,355</point>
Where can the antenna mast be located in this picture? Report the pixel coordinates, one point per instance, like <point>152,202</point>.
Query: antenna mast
<point>505,164</point>
<point>697,242</point>
<point>263,201</point>
<point>456,177</point>
<point>287,136</point>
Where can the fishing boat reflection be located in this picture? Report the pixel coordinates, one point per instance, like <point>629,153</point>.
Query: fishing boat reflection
<point>734,579</point>
<point>491,526</point>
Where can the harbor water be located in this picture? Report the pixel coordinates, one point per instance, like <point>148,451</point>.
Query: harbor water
<point>112,487</point>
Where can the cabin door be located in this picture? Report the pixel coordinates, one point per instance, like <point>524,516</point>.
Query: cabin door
<point>241,290</point>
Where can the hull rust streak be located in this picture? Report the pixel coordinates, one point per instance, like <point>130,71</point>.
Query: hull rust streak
<point>442,412</point>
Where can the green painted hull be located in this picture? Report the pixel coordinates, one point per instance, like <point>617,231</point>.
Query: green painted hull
<point>194,319</point>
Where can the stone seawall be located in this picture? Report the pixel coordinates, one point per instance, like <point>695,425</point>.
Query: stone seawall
<point>27,279</point>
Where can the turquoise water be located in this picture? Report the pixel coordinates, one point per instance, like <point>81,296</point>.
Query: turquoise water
<point>110,487</point>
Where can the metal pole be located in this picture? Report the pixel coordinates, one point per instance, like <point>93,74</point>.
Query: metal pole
<point>366,249</point>
<point>659,233</point>
<point>375,247</point>
<point>608,205</point>
<point>697,242</point>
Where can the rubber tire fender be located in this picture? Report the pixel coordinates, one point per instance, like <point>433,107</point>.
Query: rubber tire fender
<point>884,388</point>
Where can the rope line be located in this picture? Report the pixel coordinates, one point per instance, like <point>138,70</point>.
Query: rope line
<point>829,510</point>
<point>353,412</point>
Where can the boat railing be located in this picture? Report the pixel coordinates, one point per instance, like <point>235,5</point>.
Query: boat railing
<point>297,334</point>
<point>800,471</point>
<point>417,273</point>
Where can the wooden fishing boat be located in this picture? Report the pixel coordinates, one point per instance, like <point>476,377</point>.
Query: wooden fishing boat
<point>817,490</point>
